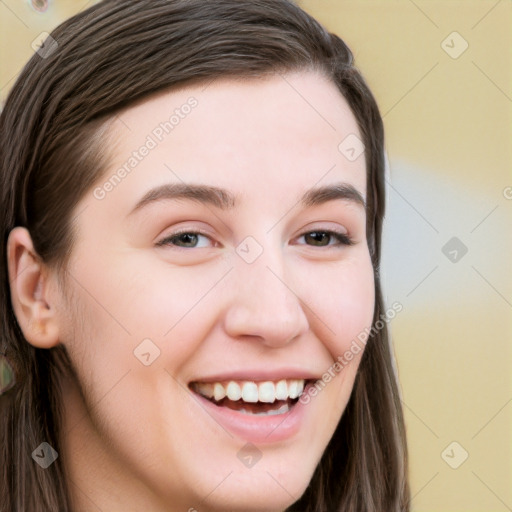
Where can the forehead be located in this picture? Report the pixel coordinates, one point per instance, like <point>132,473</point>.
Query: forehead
<point>257,135</point>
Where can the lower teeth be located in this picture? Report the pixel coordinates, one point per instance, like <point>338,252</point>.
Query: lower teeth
<point>283,409</point>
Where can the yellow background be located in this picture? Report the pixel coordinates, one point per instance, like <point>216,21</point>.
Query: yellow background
<point>448,137</point>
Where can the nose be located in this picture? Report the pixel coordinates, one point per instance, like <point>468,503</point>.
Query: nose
<point>263,303</point>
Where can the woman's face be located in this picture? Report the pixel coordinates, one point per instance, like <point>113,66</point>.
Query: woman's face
<point>211,265</point>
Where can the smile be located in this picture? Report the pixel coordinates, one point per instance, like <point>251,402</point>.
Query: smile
<point>261,412</point>
<point>249,397</point>
<point>259,405</point>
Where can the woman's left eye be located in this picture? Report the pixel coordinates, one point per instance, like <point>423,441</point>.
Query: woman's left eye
<point>321,238</point>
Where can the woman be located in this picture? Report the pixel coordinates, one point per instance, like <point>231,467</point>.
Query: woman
<point>193,196</point>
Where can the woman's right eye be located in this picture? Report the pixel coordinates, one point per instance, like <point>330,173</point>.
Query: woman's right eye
<point>186,240</point>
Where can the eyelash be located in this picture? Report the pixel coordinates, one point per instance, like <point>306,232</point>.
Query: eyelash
<point>343,239</point>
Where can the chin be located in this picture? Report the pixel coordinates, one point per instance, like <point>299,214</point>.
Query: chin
<point>269,486</point>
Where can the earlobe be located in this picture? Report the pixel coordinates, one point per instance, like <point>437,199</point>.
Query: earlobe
<point>28,278</point>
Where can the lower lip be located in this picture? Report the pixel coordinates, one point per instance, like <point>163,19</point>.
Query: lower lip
<point>257,429</point>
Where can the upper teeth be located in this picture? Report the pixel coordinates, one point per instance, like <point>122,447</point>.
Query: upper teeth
<point>250,391</point>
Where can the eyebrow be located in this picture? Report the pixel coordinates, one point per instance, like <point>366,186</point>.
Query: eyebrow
<point>225,200</point>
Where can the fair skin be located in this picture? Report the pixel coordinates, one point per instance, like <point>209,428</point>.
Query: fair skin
<point>142,438</point>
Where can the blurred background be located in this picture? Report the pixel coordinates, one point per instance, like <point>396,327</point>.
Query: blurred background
<point>441,73</point>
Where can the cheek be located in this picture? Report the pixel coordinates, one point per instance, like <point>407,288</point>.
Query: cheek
<point>118,305</point>
<point>345,303</point>
<point>356,305</point>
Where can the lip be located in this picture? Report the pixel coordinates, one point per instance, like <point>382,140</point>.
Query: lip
<point>259,375</point>
<point>257,429</point>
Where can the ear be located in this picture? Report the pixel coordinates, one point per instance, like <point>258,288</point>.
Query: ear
<point>29,285</point>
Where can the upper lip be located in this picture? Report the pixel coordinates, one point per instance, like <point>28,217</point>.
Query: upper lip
<point>259,375</point>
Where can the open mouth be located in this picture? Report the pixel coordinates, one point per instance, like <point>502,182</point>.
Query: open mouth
<point>264,398</point>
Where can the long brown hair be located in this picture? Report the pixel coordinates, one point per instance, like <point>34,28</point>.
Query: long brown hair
<point>51,152</point>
